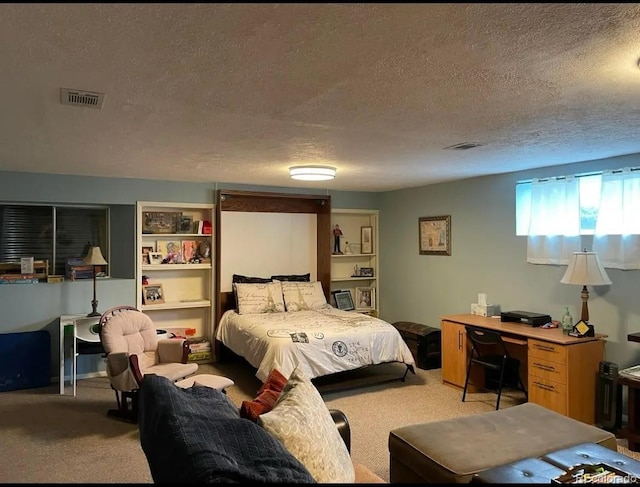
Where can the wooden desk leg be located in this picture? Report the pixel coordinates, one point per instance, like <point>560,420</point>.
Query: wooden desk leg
<point>633,413</point>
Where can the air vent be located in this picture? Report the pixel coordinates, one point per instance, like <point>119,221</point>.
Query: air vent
<point>81,98</point>
<point>463,146</point>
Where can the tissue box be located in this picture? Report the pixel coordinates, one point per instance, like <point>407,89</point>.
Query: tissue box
<point>485,309</point>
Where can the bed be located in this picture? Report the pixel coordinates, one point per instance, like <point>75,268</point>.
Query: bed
<point>287,324</point>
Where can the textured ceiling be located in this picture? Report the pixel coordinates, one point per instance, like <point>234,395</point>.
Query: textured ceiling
<point>239,92</point>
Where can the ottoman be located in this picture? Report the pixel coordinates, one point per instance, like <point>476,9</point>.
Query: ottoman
<point>454,450</point>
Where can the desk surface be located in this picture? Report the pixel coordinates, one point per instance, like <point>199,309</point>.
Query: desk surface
<point>554,335</point>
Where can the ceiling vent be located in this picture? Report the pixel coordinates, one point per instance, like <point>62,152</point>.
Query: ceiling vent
<point>463,146</point>
<point>81,98</point>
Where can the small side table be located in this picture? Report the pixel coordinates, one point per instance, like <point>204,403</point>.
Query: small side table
<point>633,405</point>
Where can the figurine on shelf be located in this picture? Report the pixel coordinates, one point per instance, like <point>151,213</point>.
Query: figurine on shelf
<point>337,233</point>
<point>347,248</point>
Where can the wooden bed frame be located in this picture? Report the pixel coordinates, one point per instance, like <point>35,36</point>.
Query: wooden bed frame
<point>252,201</point>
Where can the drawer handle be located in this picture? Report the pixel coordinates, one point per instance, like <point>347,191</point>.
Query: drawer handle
<point>546,348</point>
<point>546,387</point>
<point>544,367</point>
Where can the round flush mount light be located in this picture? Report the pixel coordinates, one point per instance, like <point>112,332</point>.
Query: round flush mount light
<point>312,173</point>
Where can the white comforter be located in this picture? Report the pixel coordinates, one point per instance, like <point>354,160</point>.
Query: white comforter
<point>322,341</point>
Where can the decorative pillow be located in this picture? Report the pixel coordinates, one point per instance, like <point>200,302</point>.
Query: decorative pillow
<point>266,397</point>
<point>302,422</point>
<point>299,296</point>
<point>293,277</point>
<point>259,298</point>
<point>248,279</point>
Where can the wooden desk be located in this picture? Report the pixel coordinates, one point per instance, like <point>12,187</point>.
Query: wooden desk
<point>559,370</point>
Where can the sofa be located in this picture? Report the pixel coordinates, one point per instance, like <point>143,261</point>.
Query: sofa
<point>196,434</point>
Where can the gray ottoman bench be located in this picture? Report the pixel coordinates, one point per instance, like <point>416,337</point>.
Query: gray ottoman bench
<point>454,450</point>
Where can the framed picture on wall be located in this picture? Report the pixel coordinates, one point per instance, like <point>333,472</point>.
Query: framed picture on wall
<point>434,235</point>
<point>366,240</point>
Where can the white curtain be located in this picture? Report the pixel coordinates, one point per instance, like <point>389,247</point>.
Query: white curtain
<point>554,224</point>
<point>617,233</point>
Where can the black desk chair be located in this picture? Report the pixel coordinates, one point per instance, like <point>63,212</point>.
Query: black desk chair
<point>489,351</point>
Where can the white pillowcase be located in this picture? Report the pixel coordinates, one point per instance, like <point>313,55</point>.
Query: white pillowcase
<point>255,298</point>
<point>302,422</point>
<point>300,296</point>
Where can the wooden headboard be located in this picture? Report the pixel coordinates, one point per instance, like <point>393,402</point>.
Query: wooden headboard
<point>253,201</point>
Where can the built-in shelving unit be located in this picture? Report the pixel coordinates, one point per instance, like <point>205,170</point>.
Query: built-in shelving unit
<point>343,266</point>
<point>187,288</point>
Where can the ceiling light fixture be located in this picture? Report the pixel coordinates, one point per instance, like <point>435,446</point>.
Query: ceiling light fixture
<point>312,173</point>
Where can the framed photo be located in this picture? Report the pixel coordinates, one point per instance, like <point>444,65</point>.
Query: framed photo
<point>189,250</point>
<point>366,240</point>
<point>171,250</point>
<point>160,221</point>
<point>365,298</point>
<point>185,224</point>
<point>366,271</point>
<point>434,235</point>
<point>344,300</point>
<point>155,258</point>
<point>145,254</point>
<point>152,294</point>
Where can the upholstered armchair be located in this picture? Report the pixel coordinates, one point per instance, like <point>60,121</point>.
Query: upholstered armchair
<point>132,349</point>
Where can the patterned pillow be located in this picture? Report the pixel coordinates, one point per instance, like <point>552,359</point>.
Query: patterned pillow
<point>300,296</point>
<point>259,298</point>
<point>249,279</point>
<point>293,277</point>
<point>303,423</point>
<point>266,397</point>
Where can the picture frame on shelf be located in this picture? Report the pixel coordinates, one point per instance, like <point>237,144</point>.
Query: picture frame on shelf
<point>434,235</point>
<point>155,258</point>
<point>343,300</point>
<point>171,251</point>
<point>365,298</point>
<point>189,250</point>
<point>145,253</point>
<point>160,221</point>
<point>366,240</point>
<point>152,294</point>
<point>366,272</point>
<point>185,224</point>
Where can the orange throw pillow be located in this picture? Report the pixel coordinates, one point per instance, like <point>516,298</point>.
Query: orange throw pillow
<point>266,397</point>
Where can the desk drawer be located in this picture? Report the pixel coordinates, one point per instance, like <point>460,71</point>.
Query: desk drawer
<point>549,394</point>
<point>548,351</point>
<point>548,370</point>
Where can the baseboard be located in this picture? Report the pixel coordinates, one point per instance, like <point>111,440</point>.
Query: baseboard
<point>88,375</point>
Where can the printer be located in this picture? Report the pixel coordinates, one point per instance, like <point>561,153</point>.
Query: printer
<point>525,317</point>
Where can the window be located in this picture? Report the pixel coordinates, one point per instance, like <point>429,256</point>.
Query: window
<point>589,196</point>
<point>53,233</point>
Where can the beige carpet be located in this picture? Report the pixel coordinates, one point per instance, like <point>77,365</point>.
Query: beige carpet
<point>45,437</point>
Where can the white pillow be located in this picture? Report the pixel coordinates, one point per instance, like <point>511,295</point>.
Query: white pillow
<point>259,297</point>
<point>299,296</point>
<point>302,422</point>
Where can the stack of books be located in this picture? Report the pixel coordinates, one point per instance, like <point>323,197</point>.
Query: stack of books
<point>18,279</point>
<point>199,349</point>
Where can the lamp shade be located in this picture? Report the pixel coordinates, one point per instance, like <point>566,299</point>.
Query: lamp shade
<point>585,270</point>
<point>94,257</point>
<point>312,173</point>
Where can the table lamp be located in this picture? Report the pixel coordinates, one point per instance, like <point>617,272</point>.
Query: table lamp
<point>585,270</point>
<point>94,258</point>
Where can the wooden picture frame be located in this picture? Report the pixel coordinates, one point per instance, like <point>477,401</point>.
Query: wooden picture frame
<point>434,235</point>
<point>152,294</point>
<point>344,300</point>
<point>185,224</point>
<point>366,271</point>
<point>365,298</point>
<point>366,240</point>
<point>146,249</point>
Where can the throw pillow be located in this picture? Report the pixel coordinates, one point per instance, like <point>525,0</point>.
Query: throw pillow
<point>259,298</point>
<point>300,296</point>
<point>249,279</point>
<point>293,277</point>
<point>266,397</point>
<point>302,422</point>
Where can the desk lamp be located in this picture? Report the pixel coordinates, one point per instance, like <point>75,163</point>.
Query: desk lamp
<point>585,270</point>
<point>94,258</point>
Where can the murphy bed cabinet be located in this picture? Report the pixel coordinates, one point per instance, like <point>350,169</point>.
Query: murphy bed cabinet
<point>187,302</point>
<point>343,266</point>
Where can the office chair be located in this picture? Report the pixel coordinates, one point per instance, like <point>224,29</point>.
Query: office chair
<point>132,350</point>
<point>489,351</point>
